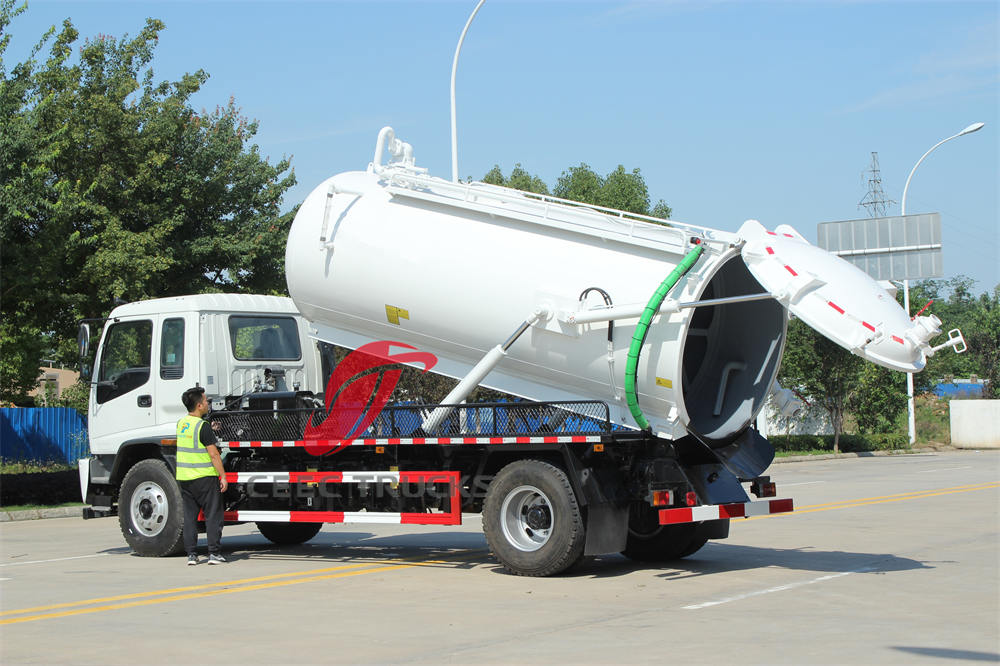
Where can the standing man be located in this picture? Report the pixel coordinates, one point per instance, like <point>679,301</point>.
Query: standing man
<point>201,477</point>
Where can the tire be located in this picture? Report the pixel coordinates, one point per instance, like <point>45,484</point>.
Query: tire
<point>532,520</point>
<point>648,541</point>
<point>150,510</point>
<point>289,534</point>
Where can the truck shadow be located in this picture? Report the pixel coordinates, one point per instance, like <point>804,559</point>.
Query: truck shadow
<point>467,550</point>
<point>717,558</point>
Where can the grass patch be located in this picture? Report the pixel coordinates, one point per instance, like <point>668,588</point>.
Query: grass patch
<point>804,452</point>
<point>38,507</point>
<point>34,467</point>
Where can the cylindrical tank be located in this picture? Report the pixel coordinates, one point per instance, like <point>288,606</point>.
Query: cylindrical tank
<point>454,269</point>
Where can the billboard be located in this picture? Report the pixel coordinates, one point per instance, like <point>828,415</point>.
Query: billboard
<point>901,247</point>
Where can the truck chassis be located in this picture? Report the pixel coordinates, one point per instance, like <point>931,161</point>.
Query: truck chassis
<point>555,482</point>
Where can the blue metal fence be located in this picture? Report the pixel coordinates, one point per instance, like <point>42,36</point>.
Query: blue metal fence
<point>44,434</point>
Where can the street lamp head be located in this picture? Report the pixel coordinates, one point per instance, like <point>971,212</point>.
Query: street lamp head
<point>974,127</point>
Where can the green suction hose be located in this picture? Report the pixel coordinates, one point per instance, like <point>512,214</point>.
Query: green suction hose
<point>639,337</point>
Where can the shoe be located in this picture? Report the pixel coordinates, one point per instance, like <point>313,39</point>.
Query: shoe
<point>215,558</point>
<point>192,560</point>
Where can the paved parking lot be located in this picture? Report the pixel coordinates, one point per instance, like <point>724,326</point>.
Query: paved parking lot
<point>889,560</point>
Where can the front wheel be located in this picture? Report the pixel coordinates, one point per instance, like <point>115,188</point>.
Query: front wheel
<point>150,510</point>
<point>532,520</point>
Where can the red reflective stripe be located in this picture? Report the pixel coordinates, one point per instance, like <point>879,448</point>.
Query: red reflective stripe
<point>419,440</point>
<point>771,233</point>
<point>428,519</point>
<point>835,307</point>
<point>770,250</point>
<point>898,339</point>
<point>732,511</point>
<point>788,235</point>
<point>671,516</point>
<point>781,505</point>
<point>315,477</point>
<point>394,440</point>
<point>315,516</point>
<point>868,326</point>
<point>496,440</point>
<point>791,270</point>
<point>228,515</point>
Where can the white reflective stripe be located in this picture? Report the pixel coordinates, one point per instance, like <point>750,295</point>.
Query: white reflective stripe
<point>757,508</point>
<point>262,477</point>
<point>371,477</point>
<point>264,516</point>
<point>188,465</point>
<point>372,517</point>
<point>710,512</point>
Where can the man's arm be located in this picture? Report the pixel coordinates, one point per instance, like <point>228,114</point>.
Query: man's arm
<point>213,452</point>
<point>210,442</point>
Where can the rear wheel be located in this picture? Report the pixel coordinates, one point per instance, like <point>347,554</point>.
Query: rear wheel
<point>648,541</point>
<point>150,511</point>
<point>532,520</point>
<point>289,534</point>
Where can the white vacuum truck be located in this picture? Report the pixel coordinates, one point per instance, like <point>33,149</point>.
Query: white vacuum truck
<point>643,349</point>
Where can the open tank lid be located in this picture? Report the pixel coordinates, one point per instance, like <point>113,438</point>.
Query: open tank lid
<point>837,299</point>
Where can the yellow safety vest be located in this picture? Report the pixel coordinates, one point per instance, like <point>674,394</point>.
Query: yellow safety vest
<point>193,461</point>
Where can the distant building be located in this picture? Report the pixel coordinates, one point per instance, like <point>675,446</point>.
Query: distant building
<point>52,382</point>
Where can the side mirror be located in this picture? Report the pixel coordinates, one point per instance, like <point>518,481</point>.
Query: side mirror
<point>83,340</point>
<point>84,371</point>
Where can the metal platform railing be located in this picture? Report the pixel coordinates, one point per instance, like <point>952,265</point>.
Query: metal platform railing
<point>498,419</point>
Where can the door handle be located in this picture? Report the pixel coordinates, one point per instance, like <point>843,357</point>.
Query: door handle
<point>144,401</point>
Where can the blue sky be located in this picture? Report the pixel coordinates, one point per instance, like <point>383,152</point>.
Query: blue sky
<point>732,110</point>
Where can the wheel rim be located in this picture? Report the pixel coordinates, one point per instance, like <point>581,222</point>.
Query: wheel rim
<point>526,518</point>
<point>149,508</point>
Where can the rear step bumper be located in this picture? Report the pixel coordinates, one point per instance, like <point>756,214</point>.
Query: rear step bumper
<point>695,514</point>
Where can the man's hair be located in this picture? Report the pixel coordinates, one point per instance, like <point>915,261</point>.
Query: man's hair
<point>192,397</point>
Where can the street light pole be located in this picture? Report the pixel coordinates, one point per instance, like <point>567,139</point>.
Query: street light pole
<point>454,119</point>
<point>910,413</point>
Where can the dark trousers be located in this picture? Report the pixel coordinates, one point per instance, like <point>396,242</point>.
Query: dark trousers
<point>202,494</point>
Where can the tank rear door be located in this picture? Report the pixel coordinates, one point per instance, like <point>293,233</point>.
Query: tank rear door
<point>836,298</point>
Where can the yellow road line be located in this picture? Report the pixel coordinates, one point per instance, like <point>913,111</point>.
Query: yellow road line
<point>155,597</point>
<point>190,588</point>
<point>972,486</point>
<point>847,504</point>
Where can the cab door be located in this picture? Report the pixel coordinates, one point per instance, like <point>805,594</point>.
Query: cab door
<point>176,352</point>
<point>121,404</point>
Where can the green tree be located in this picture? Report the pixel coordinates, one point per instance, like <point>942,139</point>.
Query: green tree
<point>822,371</point>
<point>877,399</point>
<point>620,189</point>
<point>519,179</point>
<point>978,317</point>
<point>113,186</point>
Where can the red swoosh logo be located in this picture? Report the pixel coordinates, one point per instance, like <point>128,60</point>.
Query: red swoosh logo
<point>359,389</point>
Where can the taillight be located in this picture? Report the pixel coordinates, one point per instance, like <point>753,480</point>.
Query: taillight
<point>663,497</point>
<point>691,498</point>
<point>764,487</point>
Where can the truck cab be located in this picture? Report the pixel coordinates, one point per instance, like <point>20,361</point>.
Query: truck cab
<point>238,347</point>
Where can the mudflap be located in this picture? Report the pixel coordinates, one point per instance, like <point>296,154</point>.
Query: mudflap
<point>748,455</point>
<point>715,484</point>
<point>607,514</point>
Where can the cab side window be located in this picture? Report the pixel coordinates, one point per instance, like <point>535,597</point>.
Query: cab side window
<point>264,338</point>
<point>124,364</point>
<point>172,349</point>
